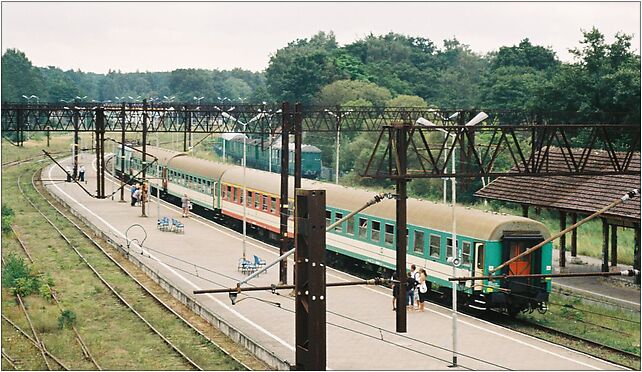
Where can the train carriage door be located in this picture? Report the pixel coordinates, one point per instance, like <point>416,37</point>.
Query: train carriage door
<point>521,266</point>
<point>515,243</point>
<point>479,265</point>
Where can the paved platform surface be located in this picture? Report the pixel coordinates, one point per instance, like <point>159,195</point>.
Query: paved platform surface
<point>360,328</point>
<point>619,289</point>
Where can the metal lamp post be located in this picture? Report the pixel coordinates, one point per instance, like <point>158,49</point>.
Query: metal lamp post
<point>455,259</point>
<point>337,143</point>
<point>244,195</point>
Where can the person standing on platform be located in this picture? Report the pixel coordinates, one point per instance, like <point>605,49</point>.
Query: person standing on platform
<point>81,173</point>
<point>423,289</point>
<point>138,195</point>
<point>133,191</point>
<point>395,291</point>
<point>68,171</point>
<point>410,292</point>
<point>415,276</point>
<point>185,204</point>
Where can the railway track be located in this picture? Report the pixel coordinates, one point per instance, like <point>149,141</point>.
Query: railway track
<point>111,288</point>
<point>83,346</point>
<point>569,340</point>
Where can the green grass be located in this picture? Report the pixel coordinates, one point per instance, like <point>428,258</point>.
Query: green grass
<point>605,324</point>
<point>116,338</point>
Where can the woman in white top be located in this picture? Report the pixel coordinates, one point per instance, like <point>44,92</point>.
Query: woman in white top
<point>423,289</point>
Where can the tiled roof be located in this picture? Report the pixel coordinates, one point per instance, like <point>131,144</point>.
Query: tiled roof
<point>583,194</point>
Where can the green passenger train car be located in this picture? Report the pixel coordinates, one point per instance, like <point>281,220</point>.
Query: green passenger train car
<point>484,240</point>
<point>265,157</point>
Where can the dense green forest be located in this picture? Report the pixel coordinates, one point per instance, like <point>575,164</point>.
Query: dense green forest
<point>388,70</point>
<point>391,69</point>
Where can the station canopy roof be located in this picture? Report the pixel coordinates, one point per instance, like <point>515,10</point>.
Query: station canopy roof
<point>576,194</point>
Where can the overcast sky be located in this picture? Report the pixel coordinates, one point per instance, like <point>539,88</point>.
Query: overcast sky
<point>165,36</point>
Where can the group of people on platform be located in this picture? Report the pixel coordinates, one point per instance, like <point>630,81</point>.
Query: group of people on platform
<point>81,174</point>
<point>138,193</point>
<point>416,289</point>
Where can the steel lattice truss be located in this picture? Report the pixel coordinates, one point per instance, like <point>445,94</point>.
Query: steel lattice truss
<point>527,140</point>
<point>246,118</point>
<point>528,150</point>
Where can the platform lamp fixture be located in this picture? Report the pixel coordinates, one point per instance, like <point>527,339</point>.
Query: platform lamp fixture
<point>455,259</point>
<point>244,194</point>
<point>269,113</point>
<point>337,143</point>
<point>30,97</point>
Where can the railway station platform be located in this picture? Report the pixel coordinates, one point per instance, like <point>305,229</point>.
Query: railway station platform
<point>360,321</point>
<point>619,289</point>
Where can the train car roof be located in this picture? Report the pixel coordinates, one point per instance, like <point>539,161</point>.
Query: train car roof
<point>231,136</point>
<point>471,222</point>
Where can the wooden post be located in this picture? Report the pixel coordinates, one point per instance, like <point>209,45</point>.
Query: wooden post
<point>574,236</point>
<point>310,303</point>
<point>613,245</point>
<point>562,239</point>
<point>605,245</point>
<point>636,251</point>
<point>525,210</point>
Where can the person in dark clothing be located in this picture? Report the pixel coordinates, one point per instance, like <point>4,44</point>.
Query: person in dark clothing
<point>411,283</point>
<point>81,173</point>
<point>395,291</point>
<point>133,191</point>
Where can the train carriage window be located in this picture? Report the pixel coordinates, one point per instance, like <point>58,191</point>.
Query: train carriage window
<point>265,202</point>
<point>257,201</point>
<point>390,234</point>
<point>449,247</point>
<point>418,247</point>
<point>234,194</point>
<point>435,246</point>
<point>363,228</point>
<point>328,218</point>
<point>290,208</point>
<point>350,226</point>
<point>376,231</point>
<point>228,195</point>
<point>465,253</point>
<point>272,204</point>
<point>479,254</point>
<point>249,198</point>
<point>337,217</point>
<point>241,196</point>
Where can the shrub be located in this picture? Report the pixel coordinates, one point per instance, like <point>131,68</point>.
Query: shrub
<point>19,277</point>
<point>7,218</point>
<point>66,319</point>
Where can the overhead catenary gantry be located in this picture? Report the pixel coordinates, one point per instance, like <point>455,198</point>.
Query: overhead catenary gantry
<point>410,141</point>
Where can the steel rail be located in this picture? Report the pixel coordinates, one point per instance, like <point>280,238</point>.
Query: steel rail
<point>570,336</point>
<point>33,330</point>
<point>140,284</point>
<point>9,360</point>
<point>104,281</point>
<point>22,332</point>
<point>41,344</point>
<point>81,342</point>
